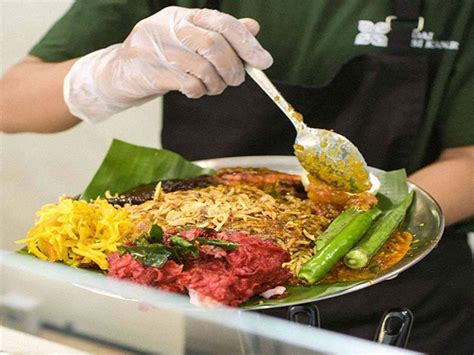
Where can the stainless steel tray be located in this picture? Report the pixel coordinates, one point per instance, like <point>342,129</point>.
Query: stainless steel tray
<point>425,221</point>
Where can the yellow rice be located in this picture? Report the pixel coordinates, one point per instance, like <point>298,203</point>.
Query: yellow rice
<point>77,232</point>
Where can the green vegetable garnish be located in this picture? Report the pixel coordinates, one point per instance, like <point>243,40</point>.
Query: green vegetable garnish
<point>149,249</point>
<point>155,235</point>
<point>227,246</point>
<point>153,254</point>
<point>183,248</point>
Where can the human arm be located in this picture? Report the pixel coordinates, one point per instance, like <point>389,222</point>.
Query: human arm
<point>32,98</point>
<point>450,180</point>
<point>195,51</point>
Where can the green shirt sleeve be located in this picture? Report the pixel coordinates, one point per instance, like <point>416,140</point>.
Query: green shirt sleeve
<point>90,25</point>
<point>456,114</point>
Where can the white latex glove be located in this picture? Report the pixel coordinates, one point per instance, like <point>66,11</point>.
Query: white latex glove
<point>195,51</point>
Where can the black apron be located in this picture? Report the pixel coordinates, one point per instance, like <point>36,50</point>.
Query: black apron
<point>377,101</point>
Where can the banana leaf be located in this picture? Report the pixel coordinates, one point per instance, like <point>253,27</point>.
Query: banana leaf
<point>128,165</point>
<point>393,188</point>
<point>300,294</point>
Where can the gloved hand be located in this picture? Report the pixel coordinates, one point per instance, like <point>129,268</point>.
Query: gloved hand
<point>195,51</point>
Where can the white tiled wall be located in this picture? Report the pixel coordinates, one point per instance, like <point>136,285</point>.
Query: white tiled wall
<point>36,169</point>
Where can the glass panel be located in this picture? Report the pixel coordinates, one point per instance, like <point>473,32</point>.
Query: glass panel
<point>137,318</point>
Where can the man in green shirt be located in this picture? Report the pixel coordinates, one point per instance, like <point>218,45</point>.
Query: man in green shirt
<point>393,76</point>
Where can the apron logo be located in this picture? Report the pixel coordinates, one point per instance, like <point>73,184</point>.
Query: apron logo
<point>375,34</point>
<point>426,40</point>
<point>372,33</point>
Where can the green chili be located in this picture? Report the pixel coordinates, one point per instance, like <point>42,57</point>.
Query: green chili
<point>335,228</point>
<point>316,267</point>
<point>377,235</point>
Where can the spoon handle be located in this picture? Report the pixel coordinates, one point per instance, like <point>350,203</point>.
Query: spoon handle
<point>266,85</point>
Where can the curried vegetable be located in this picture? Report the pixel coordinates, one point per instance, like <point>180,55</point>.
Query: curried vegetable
<point>377,235</point>
<point>335,228</point>
<point>315,268</point>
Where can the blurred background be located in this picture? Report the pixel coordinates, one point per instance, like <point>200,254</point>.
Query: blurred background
<point>37,168</point>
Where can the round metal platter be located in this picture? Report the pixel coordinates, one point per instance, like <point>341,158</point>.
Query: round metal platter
<point>424,220</point>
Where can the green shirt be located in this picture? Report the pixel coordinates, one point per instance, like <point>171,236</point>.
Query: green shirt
<point>309,41</point>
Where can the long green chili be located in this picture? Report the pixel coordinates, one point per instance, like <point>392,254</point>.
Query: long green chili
<point>377,235</point>
<point>316,267</point>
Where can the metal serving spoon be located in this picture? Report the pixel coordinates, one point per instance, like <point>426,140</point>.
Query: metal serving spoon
<point>324,154</point>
